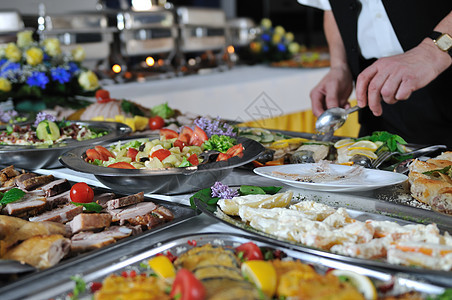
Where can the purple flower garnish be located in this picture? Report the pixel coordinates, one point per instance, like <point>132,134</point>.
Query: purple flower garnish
<point>38,79</point>
<point>217,127</point>
<point>41,116</point>
<point>6,116</point>
<point>223,191</point>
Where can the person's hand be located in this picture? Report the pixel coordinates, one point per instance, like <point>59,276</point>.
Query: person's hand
<point>332,91</point>
<point>394,78</point>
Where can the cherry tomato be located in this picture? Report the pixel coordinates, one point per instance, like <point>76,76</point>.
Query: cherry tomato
<point>95,286</point>
<point>81,193</point>
<point>223,156</point>
<point>250,251</point>
<point>121,165</point>
<point>156,122</point>
<point>185,134</point>
<point>187,287</point>
<point>92,155</point>
<point>103,96</point>
<point>132,153</point>
<point>104,152</point>
<point>236,150</point>
<point>161,154</point>
<point>193,159</point>
<point>199,137</point>
<point>168,134</point>
<point>180,144</point>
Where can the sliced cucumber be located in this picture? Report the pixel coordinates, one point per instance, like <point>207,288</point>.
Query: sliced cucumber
<point>48,131</point>
<point>268,138</point>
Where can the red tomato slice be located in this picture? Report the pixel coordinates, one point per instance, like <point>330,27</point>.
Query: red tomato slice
<point>187,287</point>
<point>168,134</point>
<point>103,96</point>
<point>250,251</point>
<point>121,165</point>
<point>92,155</point>
<point>185,134</point>
<point>104,153</point>
<point>193,159</point>
<point>180,144</point>
<point>132,153</point>
<point>161,154</point>
<point>81,193</point>
<point>223,156</point>
<point>235,150</point>
<point>199,137</point>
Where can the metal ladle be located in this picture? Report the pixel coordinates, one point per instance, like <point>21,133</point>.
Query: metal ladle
<point>333,118</point>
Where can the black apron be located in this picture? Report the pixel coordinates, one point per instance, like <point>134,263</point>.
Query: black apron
<point>426,117</point>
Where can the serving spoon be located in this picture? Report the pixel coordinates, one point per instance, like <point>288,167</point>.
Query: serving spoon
<point>333,118</point>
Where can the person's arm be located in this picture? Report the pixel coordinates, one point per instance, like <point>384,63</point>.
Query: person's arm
<point>335,88</point>
<point>394,78</point>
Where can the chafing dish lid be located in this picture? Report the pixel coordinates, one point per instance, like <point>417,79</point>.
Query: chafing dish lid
<point>10,21</point>
<point>144,19</point>
<point>208,17</point>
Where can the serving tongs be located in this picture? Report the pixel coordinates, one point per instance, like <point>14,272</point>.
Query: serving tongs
<point>9,266</point>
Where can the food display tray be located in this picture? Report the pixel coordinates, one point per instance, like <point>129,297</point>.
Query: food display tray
<point>434,276</point>
<point>178,245</point>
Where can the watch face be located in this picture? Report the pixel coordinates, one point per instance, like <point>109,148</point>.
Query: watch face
<point>444,42</point>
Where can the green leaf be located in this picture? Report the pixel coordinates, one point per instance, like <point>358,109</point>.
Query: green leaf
<point>271,190</point>
<point>9,129</point>
<point>443,171</point>
<point>12,195</point>
<point>203,195</point>
<point>251,190</point>
<point>79,288</point>
<point>90,207</point>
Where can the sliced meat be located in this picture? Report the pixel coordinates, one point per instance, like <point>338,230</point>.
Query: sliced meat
<point>103,198</point>
<point>31,204</point>
<point>62,214</point>
<point>165,213</point>
<point>57,200</point>
<point>40,251</point>
<point>84,222</point>
<point>84,245</point>
<point>149,220</point>
<point>116,232</point>
<point>13,181</point>
<point>56,187</point>
<point>35,182</point>
<point>132,211</point>
<point>125,201</point>
<point>8,173</point>
<point>135,229</point>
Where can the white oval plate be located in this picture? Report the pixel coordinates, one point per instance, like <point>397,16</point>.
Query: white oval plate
<point>369,180</point>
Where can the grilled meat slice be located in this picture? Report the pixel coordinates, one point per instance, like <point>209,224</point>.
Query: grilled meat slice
<point>57,200</point>
<point>88,240</point>
<point>56,187</point>
<point>62,214</point>
<point>35,182</point>
<point>125,201</point>
<point>8,173</point>
<point>31,203</point>
<point>84,222</point>
<point>84,245</point>
<point>103,198</point>
<point>132,211</point>
<point>149,220</point>
<point>19,178</point>
<point>165,213</point>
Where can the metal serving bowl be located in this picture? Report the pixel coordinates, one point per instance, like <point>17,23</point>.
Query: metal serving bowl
<point>165,181</point>
<point>42,156</point>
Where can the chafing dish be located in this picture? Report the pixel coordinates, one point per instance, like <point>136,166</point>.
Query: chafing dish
<point>10,23</point>
<point>241,31</point>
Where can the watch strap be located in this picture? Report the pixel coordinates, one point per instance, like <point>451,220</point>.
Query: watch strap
<point>434,35</point>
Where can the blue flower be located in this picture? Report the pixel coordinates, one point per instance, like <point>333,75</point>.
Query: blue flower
<point>9,68</point>
<point>265,37</point>
<point>61,75</point>
<point>73,67</point>
<point>281,47</point>
<point>38,79</point>
<point>3,61</point>
<point>265,48</point>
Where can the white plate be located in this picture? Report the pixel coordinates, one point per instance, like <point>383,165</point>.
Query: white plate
<point>371,179</point>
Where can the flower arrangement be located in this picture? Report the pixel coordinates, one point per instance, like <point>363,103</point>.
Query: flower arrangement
<point>32,70</point>
<point>273,43</point>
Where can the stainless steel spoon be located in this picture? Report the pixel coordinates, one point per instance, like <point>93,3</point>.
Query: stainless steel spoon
<point>333,118</point>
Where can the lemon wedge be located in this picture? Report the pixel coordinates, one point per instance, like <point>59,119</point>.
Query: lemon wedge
<point>362,283</point>
<point>368,153</point>
<point>162,266</point>
<point>141,123</point>
<point>364,145</point>
<point>343,143</point>
<point>262,273</point>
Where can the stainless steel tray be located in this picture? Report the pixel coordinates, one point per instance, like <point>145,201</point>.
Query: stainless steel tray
<point>36,157</point>
<point>435,276</point>
<point>179,245</point>
<point>11,282</point>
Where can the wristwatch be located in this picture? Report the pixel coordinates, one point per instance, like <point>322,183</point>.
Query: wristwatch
<point>443,41</point>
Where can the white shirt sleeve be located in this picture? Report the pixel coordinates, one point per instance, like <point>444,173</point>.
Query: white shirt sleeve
<point>321,4</point>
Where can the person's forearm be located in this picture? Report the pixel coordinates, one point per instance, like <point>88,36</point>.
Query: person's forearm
<point>338,56</point>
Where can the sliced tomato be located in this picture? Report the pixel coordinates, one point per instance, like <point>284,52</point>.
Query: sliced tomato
<point>223,156</point>
<point>105,154</point>
<point>92,155</point>
<point>187,287</point>
<point>121,165</point>
<point>257,164</point>
<point>180,144</point>
<point>193,159</point>
<point>161,154</point>
<point>199,136</point>
<point>236,150</point>
<point>250,251</point>
<point>185,134</point>
<point>168,134</point>
<point>132,153</point>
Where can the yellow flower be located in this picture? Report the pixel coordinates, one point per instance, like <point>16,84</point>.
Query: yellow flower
<point>24,38</point>
<point>266,23</point>
<point>88,81</point>
<point>5,85</point>
<point>255,47</point>
<point>289,37</point>
<point>280,30</point>
<point>12,52</point>
<point>276,38</point>
<point>34,56</point>
<point>52,46</point>
<point>294,47</point>
<point>78,53</point>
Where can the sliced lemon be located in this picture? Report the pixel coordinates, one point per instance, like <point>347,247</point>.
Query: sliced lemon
<point>141,123</point>
<point>362,283</point>
<point>368,153</point>
<point>365,145</point>
<point>343,143</point>
<point>262,273</point>
<point>162,266</point>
